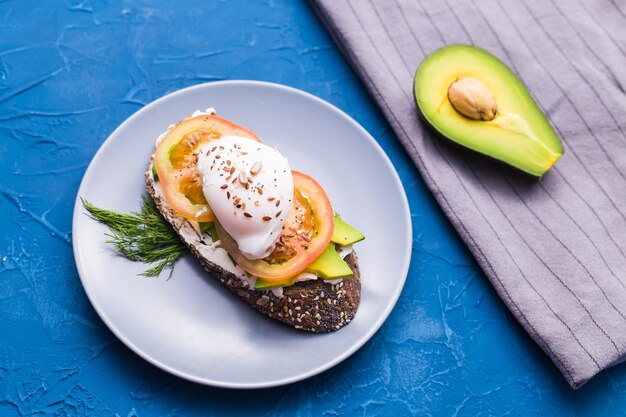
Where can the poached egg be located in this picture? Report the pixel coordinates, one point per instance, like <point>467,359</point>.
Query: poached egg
<point>249,187</point>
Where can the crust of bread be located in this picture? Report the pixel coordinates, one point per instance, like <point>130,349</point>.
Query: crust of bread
<point>314,306</point>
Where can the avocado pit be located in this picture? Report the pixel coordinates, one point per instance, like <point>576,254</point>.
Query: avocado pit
<point>471,97</point>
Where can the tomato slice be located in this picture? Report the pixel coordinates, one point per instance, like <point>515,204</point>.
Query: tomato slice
<point>304,237</point>
<point>176,159</point>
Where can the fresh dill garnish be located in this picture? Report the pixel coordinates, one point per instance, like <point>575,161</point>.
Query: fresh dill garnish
<point>143,236</point>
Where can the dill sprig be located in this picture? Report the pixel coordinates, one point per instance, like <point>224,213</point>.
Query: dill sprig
<point>143,236</point>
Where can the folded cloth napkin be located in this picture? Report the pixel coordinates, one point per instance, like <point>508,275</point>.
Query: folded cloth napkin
<point>555,248</point>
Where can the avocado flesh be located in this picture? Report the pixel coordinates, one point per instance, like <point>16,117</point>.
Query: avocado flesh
<point>209,227</point>
<point>204,226</point>
<point>519,135</point>
<point>329,265</point>
<point>344,234</point>
<point>267,284</point>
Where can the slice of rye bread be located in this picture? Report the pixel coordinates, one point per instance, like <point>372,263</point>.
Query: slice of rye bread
<point>314,306</point>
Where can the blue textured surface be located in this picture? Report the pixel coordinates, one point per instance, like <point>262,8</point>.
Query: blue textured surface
<point>70,72</point>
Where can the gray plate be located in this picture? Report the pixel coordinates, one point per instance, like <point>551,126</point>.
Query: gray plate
<point>190,325</point>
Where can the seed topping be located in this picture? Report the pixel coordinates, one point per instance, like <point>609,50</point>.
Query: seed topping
<point>256,168</point>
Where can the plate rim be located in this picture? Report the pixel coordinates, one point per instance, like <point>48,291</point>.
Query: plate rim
<point>372,330</point>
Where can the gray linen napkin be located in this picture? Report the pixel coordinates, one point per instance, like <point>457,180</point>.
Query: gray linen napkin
<point>555,248</point>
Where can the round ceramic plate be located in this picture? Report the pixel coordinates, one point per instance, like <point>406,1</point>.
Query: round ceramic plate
<point>190,325</point>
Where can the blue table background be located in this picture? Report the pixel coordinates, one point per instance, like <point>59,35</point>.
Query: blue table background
<point>72,71</point>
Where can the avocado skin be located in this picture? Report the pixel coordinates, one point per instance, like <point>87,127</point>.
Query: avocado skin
<point>520,135</point>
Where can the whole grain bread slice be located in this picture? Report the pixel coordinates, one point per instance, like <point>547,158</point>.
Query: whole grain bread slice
<point>316,306</point>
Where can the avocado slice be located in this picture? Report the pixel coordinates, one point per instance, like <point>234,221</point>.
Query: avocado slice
<point>266,284</point>
<point>210,227</point>
<point>329,265</point>
<point>475,100</point>
<point>344,234</point>
<point>155,174</point>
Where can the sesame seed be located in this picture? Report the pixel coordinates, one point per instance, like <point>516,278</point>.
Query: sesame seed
<point>267,218</point>
<point>247,214</point>
<point>278,214</point>
<point>223,187</point>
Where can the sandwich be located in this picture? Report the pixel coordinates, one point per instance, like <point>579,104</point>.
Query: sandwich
<point>267,232</point>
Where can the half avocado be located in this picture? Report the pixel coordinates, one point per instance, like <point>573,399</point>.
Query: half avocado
<point>475,100</point>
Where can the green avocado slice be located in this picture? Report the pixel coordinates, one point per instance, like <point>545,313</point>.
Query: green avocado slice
<point>344,234</point>
<point>204,226</point>
<point>210,227</point>
<point>329,265</point>
<point>267,284</point>
<point>519,134</point>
